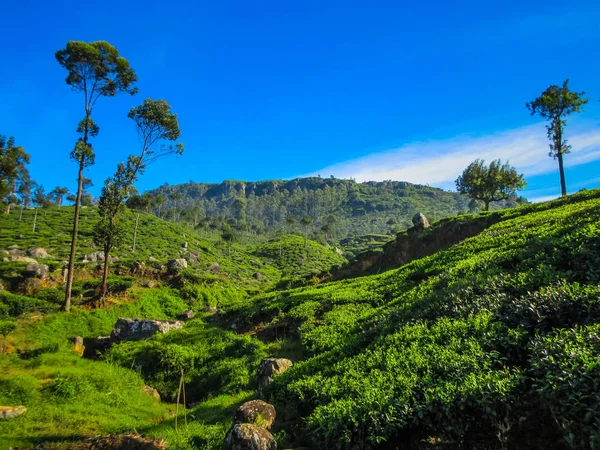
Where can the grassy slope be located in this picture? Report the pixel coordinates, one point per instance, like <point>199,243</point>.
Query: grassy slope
<point>488,338</point>
<point>487,343</point>
<point>156,238</point>
<point>293,258</point>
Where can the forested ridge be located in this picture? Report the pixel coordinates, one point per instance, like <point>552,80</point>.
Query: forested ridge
<point>357,208</point>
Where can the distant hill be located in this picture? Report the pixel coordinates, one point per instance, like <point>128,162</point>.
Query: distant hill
<point>352,208</point>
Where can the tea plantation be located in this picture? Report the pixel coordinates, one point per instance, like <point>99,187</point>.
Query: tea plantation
<point>492,343</point>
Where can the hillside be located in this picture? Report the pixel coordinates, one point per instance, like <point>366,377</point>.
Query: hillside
<point>489,343</point>
<point>357,208</point>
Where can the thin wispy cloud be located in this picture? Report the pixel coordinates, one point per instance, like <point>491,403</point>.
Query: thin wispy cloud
<point>440,162</point>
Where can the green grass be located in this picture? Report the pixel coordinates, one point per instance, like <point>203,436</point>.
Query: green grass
<point>492,343</point>
<point>156,238</point>
<point>297,260</point>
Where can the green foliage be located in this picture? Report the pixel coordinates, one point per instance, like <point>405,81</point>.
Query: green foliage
<point>13,170</point>
<point>357,208</point>
<point>554,105</point>
<point>214,360</point>
<point>17,305</point>
<point>450,345</point>
<point>489,184</point>
<point>294,258</point>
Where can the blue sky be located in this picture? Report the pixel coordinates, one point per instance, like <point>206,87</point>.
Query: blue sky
<point>271,89</point>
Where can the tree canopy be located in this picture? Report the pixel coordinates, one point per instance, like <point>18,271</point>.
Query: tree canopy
<point>491,183</point>
<point>554,105</point>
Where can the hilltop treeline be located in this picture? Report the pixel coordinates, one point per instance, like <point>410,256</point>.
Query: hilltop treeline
<point>338,208</point>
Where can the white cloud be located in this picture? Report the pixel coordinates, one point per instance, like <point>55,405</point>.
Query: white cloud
<point>543,198</point>
<point>440,162</point>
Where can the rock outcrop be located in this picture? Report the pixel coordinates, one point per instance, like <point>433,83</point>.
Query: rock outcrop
<point>129,329</point>
<point>151,392</point>
<point>78,346</point>
<point>257,413</point>
<point>268,368</point>
<point>37,270</point>
<point>420,221</point>
<point>187,315</point>
<point>245,436</point>
<point>175,265</point>
<point>38,252</point>
<point>10,412</point>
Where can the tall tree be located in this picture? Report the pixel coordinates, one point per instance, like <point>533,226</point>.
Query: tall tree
<point>97,70</point>
<point>155,124</point>
<point>306,221</point>
<point>40,200</point>
<point>57,194</point>
<point>554,105</point>
<point>229,236</point>
<point>175,196</point>
<point>13,169</point>
<point>139,204</point>
<point>491,183</point>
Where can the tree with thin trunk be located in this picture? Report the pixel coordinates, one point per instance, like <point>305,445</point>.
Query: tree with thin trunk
<point>40,200</point>
<point>97,70</point>
<point>491,183</point>
<point>306,221</point>
<point>57,195</point>
<point>155,124</point>
<point>139,204</point>
<point>229,236</point>
<point>554,105</point>
<point>13,170</point>
<point>175,196</point>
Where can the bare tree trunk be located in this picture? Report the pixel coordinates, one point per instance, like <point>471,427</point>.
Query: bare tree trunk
<point>35,220</point>
<point>67,304</point>
<point>21,213</point>
<point>137,220</point>
<point>561,169</point>
<point>105,273</point>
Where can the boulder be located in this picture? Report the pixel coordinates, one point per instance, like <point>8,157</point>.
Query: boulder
<point>245,436</point>
<point>176,265</point>
<point>151,259</point>
<point>215,268</point>
<point>257,275</point>
<point>268,368</point>
<point>78,346</point>
<point>256,412</point>
<point>339,251</point>
<point>36,270</point>
<point>211,309</point>
<point>20,236</point>
<point>94,256</point>
<point>150,284</point>
<point>16,252</point>
<point>128,329</point>
<point>10,412</point>
<point>194,258</point>
<point>12,247</point>
<point>32,286</point>
<point>38,252</point>
<point>187,315</point>
<point>420,221</point>
<point>184,245</point>
<point>16,258</point>
<point>151,392</point>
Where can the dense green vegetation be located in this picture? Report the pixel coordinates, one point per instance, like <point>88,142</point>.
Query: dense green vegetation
<point>296,259</point>
<point>488,344</point>
<point>358,208</point>
<point>491,343</point>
